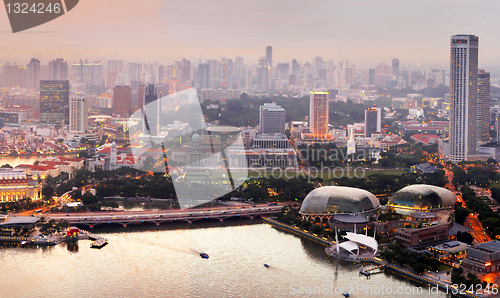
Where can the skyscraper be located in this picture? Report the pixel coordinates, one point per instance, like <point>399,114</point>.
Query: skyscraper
<point>318,114</point>
<point>58,69</point>
<point>54,101</point>
<point>483,106</point>
<point>269,59</point>
<point>272,119</point>
<point>262,78</point>
<point>463,96</point>
<point>373,120</point>
<point>34,74</point>
<point>122,100</point>
<point>78,110</point>
<point>395,66</point>
<point>151,111</point>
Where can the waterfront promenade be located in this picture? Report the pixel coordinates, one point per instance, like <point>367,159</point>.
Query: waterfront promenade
<point>408,273</point>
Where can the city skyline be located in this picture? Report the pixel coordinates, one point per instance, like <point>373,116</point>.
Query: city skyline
<point>365,35</point>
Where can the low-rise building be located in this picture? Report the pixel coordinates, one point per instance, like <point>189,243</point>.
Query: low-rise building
<point>484,257</point>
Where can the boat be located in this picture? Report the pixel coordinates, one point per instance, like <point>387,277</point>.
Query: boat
<point>24,243</point>
<point>99,244</point>
<point>345,294</point>
<point>204,255</point>
<point>265,265</point>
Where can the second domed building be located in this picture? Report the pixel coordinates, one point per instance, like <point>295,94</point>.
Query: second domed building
<point>421,197</point>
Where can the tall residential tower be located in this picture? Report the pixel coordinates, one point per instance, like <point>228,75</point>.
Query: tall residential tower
<point>463,95</point>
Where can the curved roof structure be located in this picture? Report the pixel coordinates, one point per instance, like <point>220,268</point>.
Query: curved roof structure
<point>423,196</point>
<point>364,240</point>
<point>350,246</point>
<point>339,199</point>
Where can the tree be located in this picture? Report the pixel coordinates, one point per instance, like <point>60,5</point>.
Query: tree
<point>6,166</point>
<point>47,192</point>
<point>465,237</point>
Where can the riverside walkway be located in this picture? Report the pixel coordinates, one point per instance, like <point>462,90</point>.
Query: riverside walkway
<point>412,275</point>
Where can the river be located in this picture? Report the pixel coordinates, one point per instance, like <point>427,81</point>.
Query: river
<point>164,261</point>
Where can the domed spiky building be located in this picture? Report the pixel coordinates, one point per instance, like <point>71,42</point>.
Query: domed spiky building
<point>421,197</point>
<point>327,201</point>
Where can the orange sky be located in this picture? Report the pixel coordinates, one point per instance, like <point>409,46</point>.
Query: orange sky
<point>366,33</point>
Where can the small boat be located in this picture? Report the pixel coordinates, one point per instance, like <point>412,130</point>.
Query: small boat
<point>24,243</point>
<point>265,265</point>
<point>204,255</point>
<point>345,294</point>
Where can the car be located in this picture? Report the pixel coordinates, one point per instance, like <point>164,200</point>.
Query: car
<point>67,214</point>
<point>208,209</point>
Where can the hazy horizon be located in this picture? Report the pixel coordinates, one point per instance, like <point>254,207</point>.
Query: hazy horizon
<point>366,34</point>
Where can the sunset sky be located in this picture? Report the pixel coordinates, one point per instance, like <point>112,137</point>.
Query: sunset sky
<point>365,32</point>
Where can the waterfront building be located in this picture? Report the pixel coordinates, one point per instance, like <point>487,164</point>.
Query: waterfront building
<point>484,257</point>
<point>421,197</point>
<point>272,119</point>
<point>15,185</point>
<point>327,201</point>
<point>464,89</point>
<point>54,101</point>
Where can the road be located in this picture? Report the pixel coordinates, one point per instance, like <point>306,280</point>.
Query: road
<point>476,229</point>
<point>160,215</point>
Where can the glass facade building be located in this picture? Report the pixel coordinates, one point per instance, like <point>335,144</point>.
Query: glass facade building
<point>54,101</point>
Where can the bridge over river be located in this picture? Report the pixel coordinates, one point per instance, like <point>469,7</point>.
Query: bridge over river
<point>160,216</point>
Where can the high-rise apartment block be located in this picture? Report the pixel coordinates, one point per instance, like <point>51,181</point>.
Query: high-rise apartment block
<point>463,95</point>
<point>78,111</point>
<point>483,106</point>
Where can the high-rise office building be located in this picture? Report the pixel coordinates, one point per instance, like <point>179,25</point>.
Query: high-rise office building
<point>463,95</point>
<point>34,74</point>
<point>483,106</point>
<point>78,111</point>
<point>271,119</point>
<point>318,114</point>
<point>395,66</point>
<point>122,100</point>
<point>54,101</point>
<point>373,121</point>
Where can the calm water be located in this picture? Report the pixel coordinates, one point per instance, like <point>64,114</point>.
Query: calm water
<point>165,263</point>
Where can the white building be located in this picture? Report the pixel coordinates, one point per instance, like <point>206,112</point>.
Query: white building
<point>78,111</point>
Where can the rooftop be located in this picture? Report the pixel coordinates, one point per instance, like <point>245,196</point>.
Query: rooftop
<point>490,246</point>
<point>19,220</point>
